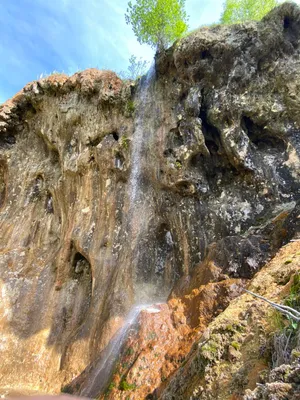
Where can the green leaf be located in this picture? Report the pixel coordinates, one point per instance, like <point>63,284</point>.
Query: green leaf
<point>157,22</point>
<point>136,68</point>
<point>237,11</point>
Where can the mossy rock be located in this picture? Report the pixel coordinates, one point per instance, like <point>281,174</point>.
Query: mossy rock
<point>124,385</point>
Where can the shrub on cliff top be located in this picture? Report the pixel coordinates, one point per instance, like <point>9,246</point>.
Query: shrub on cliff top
<point>236,11</point>
<point>157,22</point>
<point>136,69</point>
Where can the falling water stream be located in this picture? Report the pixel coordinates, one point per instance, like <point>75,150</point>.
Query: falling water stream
<point>139,138</point>
<point>137,210</point>
<point>137,218</point>
<point>98,380</point>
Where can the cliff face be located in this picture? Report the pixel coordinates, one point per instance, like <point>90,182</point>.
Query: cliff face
<point>61,210</point>
<point>114,194</point>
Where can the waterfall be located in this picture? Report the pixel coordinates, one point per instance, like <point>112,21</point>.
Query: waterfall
<point>141,207</point>
<point>98,380</point>
<point>135,225</point>
<point>139,138</point>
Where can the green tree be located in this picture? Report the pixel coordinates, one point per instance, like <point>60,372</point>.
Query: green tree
<point>136,68</point>
<point>157,22</point>
<point>236,11</point>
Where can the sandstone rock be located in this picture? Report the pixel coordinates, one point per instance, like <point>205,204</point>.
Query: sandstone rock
<point>161,341</point>
<point>228,362</point>
<point>216,196</point>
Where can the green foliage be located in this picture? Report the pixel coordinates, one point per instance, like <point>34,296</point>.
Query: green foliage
<point>234,327</point>
<point>236,11</point>
<point>129,108</point>
<point>65,389</point>
<point>124,385</point>
<point>125,144</point>
<point>293,300</point>
<point>157,22</point>
<point>276,320</point>
<point>135,70</point>
<point>210,350</point>
<point>235,345</point>
<point>129,351</point>
<point>286,338</point>
<point>111,386</point>
<point>178,164</point>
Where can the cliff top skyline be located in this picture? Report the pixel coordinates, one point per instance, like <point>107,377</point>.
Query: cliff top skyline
<point>39,37</point>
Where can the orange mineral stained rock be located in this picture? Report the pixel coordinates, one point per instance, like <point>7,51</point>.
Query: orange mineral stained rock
<point>181,186</point>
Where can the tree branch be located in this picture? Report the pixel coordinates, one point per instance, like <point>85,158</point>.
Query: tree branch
<point>289,311</point>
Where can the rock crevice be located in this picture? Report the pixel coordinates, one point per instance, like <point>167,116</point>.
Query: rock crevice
<point>182,185</point>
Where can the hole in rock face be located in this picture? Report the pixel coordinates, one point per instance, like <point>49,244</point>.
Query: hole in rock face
<point>174,139</point>
<point>197,160</point>
<point>286,23</point>
<point>205,54</point>
<point>39,180</point>
<point>103,137</point>
<point>115,136</point>
<point>211,133</point>
<point>54,156</point>
<point>169,153</point>
<point>7,140</point>
<point>49,204</point>
<point>80,265</point>
<point>260,137</point>
<point>178,139</point>
<point>30,110</point>
<point>96,141</point>
<point>212,146</point>
<point>185,187</point>
<point>36,188</point>
<point>72,308</point>
<point>291,30</point>
<point>165,245</point>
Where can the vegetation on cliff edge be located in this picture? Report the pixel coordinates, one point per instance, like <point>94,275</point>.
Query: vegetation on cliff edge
<point>157,22</point>
<point>237,11</point>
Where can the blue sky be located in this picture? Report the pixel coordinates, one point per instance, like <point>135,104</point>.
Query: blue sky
<point>41,36</point>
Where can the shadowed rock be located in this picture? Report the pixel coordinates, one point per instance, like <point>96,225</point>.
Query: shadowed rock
<point>112,192</point>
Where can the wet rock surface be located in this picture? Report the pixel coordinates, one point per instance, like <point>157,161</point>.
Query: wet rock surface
<point>216,196</point>
<point>160,342</point>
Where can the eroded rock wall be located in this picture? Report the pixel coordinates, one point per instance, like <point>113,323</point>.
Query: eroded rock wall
<point>214,343</point>
<point>218,192</point>
<point>62,200</point>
